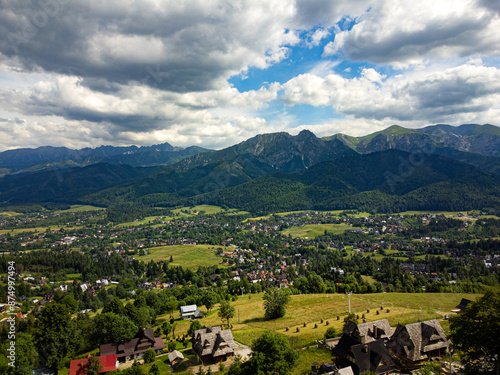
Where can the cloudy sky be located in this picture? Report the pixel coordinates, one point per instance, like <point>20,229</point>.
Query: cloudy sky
<point>213,73</point>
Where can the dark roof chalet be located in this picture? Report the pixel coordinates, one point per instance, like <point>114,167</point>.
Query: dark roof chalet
<point>213,341</point>
<point>418,339</point>
<point>372,356</point>
<point>144,340</point>
<point>463,304</point>
<point>377,329</point>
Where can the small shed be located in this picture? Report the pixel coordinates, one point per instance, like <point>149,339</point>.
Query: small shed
<point>175,357</point>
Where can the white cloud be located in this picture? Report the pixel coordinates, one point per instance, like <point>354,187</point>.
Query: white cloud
<point>144,71</point>
<point>465,92</point>
<point>403,33</point>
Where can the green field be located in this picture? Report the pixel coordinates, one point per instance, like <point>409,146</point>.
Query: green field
<point>10,213</point>
<point>191,211</point>
<point>36,230</point>
<point>187,256</point>
<point>79,208</point>
<point>313,231</point>
<point>310,309</point>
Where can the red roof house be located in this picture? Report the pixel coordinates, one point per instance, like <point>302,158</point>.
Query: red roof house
<point>79,366</point>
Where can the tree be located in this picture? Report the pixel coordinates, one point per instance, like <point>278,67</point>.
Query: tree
<point>368,372</point>
<point>149,356</point>
<point>55,336</point>
<point>93,365</point>
<point>134,370</point>
<point>111,327</point>
<point>226,311</point>
<point>195,325</point>
<point>272,354</point>
<point>209,299</point>
<point>351,317</point>
<point>166,328</point>
<point>26,353</point>
<point>475,334</point>
<point>70,302</point>
<point>154,370</point>
<point>114,306</point>
<point>275,301</point>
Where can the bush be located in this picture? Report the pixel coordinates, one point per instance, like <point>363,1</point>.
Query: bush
<point>330,333</point>
<point>149,356</point>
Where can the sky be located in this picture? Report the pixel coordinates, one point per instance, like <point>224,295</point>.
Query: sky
<point>214,73</point>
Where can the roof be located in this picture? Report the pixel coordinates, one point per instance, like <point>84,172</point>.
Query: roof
<point>79,366</point>
<point>188,309</point>
<point>346,371</point>
<point>382,327</point>
<point>419,338</point>
<point>143,341</point>
<point>175,354</point>
<point>372,356</point>
<point>344,344</point>
<point>463,304</point>
<point>213,341</point>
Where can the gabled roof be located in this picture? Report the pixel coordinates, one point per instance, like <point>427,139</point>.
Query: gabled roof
<point>372,356</point>
<point>213,341</point>
<point>344,345</point>
<point>368,329</point>
<point>422,336</point>
<point>188,309</point>
<point>175,354</point>
<point>463,304</point>
<point>144,340</point>
<point>79,366</point>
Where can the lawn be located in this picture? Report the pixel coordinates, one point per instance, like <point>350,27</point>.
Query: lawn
<point>313,231</point>
<point>187,256</point>
<point>307,357</point>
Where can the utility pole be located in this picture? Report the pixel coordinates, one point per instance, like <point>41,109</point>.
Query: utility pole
<point>349,296</point>
<point>242,289</point>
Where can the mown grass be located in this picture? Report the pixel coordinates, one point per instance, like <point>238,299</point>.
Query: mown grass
<point>310,309</point>
<point>187,256</point>
<point>313,231</point>
<point>307,357</point>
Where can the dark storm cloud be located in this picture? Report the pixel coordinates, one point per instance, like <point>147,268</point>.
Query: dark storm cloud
<point>178,46</point>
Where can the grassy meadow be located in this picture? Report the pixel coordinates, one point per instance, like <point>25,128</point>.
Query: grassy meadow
<point>187,256</point>
<point>310,309</point>
<point>315,230</point>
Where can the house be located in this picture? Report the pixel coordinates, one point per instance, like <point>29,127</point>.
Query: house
<point>213,344</point>
<point>191,312</point>
<point>365,332</point>
<point>418,342</point>
<point>80,366</point>
<point>175,357</point>
<point>134,348</point>
<point>369,356</point>
<point>463,305</point>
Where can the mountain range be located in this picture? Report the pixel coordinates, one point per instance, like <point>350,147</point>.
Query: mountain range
<point>436,167</point>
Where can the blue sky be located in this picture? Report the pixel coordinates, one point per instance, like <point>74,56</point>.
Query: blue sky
<point>217,73</point>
